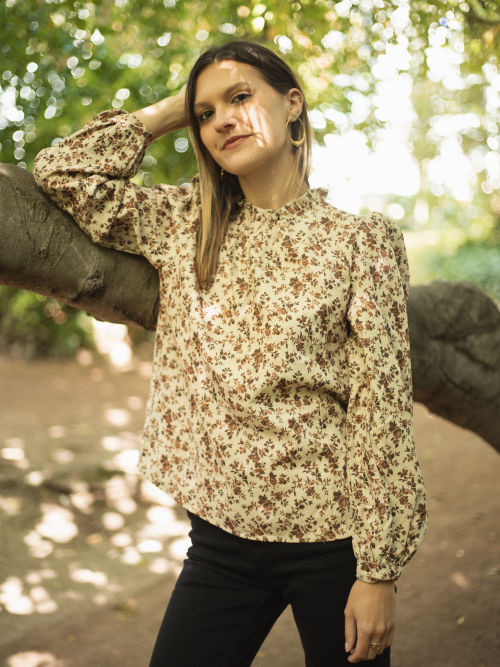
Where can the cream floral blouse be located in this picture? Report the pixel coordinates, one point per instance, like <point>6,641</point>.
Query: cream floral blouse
<point>281,398</point>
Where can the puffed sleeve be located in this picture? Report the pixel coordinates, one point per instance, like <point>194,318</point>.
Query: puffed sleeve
<point>387,496</point>
<point>88,175</point>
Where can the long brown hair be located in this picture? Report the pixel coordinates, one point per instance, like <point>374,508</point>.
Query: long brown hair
<point>220,197</point>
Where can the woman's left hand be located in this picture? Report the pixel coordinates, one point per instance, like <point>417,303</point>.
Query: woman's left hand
<point>370,616</point>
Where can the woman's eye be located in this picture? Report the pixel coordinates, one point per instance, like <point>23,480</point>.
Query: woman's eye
<point>241,95</point>
<point>203,117</point>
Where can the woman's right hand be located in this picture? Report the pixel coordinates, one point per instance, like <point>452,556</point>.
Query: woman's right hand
<point>370,616</point>
<point>166,115</point>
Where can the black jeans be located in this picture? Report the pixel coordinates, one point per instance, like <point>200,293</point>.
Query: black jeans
<point>231,590</point>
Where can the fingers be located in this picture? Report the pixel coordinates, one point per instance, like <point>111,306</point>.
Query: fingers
<point>350,632</point>
<point>363,650</point>
<point>375,647</point>
<point>369,643</point>
<point>369,620</point>
<point>367,648</point>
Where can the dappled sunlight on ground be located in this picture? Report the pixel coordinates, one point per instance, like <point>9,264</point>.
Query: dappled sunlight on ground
<point>57,524</point>
<point>20,598</point>
<point>90,552</point>
<point>79,527</point>
<point>33,659</point>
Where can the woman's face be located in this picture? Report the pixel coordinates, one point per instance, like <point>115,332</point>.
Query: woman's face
<point>233,99</point>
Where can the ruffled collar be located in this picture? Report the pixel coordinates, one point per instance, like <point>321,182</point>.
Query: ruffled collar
<point>311,196</point>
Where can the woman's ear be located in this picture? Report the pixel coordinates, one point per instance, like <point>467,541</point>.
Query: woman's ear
<point>295,102</point>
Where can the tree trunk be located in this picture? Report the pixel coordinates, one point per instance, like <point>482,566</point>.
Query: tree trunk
<point>454,327</point>
<point>43,250</point>
<point>455,355</point>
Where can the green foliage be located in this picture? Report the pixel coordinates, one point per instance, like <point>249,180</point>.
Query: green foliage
<point>466,244</point>
<point>65,60</point>
<point>38,326</point>
<point>62,61</point>
<point>475,261</point>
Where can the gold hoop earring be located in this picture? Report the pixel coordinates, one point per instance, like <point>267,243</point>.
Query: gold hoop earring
<point>221,172</point>
<point>296,142</point>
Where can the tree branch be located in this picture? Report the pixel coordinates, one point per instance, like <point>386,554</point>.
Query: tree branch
<point>454,327</point>
<point>43,250</point>
<point>455,351</point>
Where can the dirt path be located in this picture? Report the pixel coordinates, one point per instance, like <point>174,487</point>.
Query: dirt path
<point>89,553</point>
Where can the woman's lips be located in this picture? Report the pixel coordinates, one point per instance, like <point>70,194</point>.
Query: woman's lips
<point>235,142</point>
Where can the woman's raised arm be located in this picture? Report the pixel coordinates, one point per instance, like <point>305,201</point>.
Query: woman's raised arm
<point>164,116</point>
<point>88,175</point>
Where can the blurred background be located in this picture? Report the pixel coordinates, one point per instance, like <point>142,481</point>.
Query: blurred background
<point>404,98</point>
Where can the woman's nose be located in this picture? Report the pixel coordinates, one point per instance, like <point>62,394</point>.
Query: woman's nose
<point>224,119</point>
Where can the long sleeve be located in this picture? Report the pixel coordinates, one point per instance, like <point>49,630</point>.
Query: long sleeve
<point>388,503</point>
<point>88,175</point>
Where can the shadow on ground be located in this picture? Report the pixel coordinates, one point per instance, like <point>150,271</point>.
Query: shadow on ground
<point>89,552</point>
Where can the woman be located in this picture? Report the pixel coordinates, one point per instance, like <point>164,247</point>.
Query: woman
<point>280,413</point>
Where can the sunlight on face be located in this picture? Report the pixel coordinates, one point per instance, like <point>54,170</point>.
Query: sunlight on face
<point>233,99</point>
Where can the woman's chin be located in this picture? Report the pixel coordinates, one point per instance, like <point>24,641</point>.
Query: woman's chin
<point>245,167</point>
